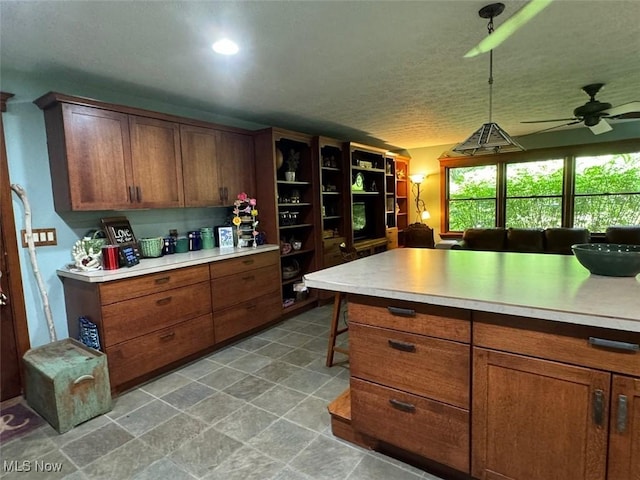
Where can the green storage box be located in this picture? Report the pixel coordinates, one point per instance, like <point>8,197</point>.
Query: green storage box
<point>67,383</point>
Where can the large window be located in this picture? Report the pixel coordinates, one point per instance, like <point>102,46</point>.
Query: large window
<point>607,191</point>
<point>590,186</point>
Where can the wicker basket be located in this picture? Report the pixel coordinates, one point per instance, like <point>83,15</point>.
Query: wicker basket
<point>151,247</point>
<point>290,270</point>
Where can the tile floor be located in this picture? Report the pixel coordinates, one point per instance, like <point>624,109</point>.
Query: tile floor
<point>254,410</point>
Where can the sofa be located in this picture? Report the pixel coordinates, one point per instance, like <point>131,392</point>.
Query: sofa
<point>627,234</point>
<point>532,240</point>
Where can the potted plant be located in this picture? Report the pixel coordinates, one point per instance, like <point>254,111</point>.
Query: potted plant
<point>293,160</point>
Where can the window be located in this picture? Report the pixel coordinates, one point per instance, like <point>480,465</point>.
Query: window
<point>472,196</point>
<point>607,191</point>
<point>534,194</point>
<point>590,186</point>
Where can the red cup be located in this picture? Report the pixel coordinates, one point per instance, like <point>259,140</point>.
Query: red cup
<point>110,254</point>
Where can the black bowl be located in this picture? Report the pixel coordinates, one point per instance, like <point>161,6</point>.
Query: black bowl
<point>609,259</point>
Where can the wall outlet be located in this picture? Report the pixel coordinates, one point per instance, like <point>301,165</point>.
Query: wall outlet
<point>41,237</point>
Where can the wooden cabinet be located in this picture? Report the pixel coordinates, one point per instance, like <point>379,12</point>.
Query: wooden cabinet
<point>217,165</point>
<point>89,157</point>
<point>554,401</point>
<point>410,377</point>
<point>245,293</point>
<point>112,157</point>
<point>289,208</point>
<point>156,163</point>
<point>145,323</point>
<point>402,210</point>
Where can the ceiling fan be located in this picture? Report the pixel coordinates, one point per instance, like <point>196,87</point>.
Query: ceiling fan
<point>594,114</point>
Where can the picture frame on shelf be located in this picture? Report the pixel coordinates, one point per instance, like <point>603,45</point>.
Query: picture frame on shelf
<point>225,237</point>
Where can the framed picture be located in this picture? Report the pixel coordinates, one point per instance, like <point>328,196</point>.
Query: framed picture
<point>225,237</point>
<point>119,232</point>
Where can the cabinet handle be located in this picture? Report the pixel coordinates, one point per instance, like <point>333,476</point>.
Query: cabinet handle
<point>160,281</point>
<point>249,277</point>
<point>247,262</point>
<point>221,194</point>
<point>251,307</point>
<point>621,421</point>
<point>598,407</point>
<point>402,406</point>
<point>404,346</point>
<point>226,194</point>
<point>139,194</point>
<point>163,301</point>
<point>402,312</point>
<point>603,342</point>
<point>83,378</point>
<point>130,194</point>
<point>167,336</point>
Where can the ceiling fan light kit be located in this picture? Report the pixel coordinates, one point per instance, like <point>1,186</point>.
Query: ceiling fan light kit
<point>489,138</point>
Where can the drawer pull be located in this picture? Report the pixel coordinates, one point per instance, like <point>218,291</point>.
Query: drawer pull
<point>167,336</point>
<point>249,278</point>
<point>602,342</point>
<point>621,421</point>
<point>403,346</point>
<point>402,312</point>
<point>598,407</point>
<point>251,307</point>
<point>160,281</point>
<point>83,378</point>
<point>402,406</point>
<point>163,301</point>
<point>248,262</point>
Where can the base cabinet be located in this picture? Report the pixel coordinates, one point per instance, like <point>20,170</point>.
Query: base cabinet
<point>624,435</point>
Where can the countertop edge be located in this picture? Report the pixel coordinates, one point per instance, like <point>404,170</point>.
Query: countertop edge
<point>162,264</point>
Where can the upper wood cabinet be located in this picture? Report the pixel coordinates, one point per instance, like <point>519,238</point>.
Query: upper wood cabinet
<point>156,163</point>
<point>112,157</point>
<point>89,157</point>
<point>216,165</point>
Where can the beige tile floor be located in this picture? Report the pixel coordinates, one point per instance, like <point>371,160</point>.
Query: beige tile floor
<point>254,410</point>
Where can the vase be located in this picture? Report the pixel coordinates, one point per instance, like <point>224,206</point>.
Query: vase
<point>290,176</point>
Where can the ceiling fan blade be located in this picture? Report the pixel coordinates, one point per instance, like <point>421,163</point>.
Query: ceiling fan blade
<point>626,110</point>
<point>505,30</point>
<point>553,120</point>
<point>601,127</point>
<point>551,128</point>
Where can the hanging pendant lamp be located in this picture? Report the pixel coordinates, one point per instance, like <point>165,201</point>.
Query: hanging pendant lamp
<point>489,138</point>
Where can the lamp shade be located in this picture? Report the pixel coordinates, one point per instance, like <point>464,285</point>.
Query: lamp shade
<point>417,178</point>
<point>488,139</point>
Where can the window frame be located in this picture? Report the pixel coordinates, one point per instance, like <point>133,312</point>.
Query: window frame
<point>567,153</point>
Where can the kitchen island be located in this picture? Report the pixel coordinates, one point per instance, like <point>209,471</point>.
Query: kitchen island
<point>492,365</point>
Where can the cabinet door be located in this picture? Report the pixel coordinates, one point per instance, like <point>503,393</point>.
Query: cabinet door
<point>96,173</point>
<point>236,162</point>
<point>156,162</point>
<point>202,184</point>
<point>537,419</point>
<point>624,443</point>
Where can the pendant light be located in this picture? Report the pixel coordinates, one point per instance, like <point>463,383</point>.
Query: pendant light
<point>489,138</point>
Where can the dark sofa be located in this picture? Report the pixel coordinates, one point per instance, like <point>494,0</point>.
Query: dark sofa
<point>532,240</point>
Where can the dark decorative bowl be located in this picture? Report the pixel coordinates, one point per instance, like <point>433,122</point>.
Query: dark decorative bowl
<point>609,259</point>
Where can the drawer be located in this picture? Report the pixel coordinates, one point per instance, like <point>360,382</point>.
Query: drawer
<point>330,245</point>
<point>249,315</point>
<point>142,355</point>
<point>435,321</point>
<point>132,318</point>
<point>562,342</point>
<point>431,367</point>
<point>331,259</point>
<point>244,286</point>
<point>234,266</point>
<point>119,290</point>
<point>431,429</point>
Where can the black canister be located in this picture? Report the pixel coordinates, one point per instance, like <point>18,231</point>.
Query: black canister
<point>195,241</point>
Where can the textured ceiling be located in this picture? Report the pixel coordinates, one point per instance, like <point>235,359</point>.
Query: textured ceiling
<point>385,72</point>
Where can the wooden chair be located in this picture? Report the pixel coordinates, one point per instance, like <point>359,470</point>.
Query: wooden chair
<point>348,254</point>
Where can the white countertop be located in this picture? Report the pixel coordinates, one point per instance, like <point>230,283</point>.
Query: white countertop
<point>550,287</point>
<point>162,264</point>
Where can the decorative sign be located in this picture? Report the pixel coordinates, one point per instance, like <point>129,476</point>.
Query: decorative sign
<point>119,232</point>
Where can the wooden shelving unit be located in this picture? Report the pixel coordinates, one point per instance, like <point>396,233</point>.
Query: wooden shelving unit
<point>289,211</point>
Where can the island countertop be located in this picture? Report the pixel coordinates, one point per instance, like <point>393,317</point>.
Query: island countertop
<point>544,286</point>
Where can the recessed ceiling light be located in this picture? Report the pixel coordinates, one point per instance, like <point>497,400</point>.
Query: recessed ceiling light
<point>225,47</point>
